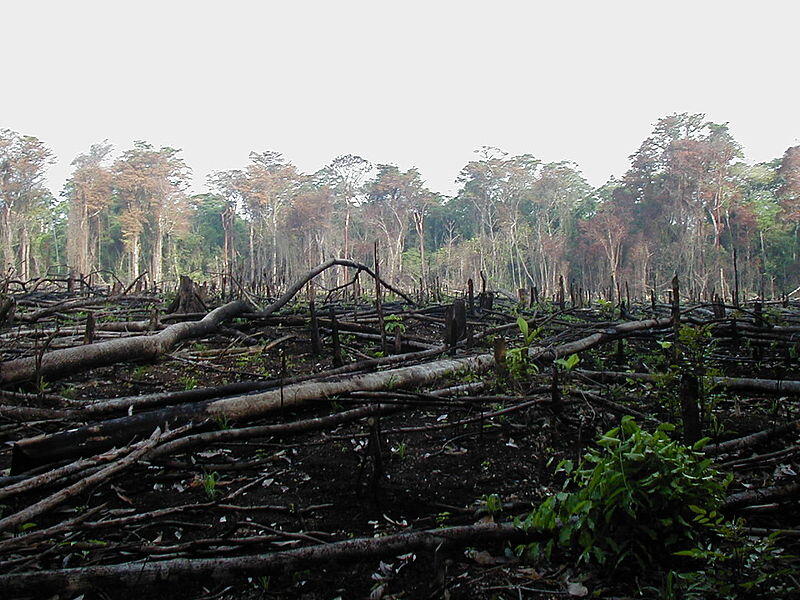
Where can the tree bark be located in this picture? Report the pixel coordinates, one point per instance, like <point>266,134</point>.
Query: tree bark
<point>88,440</point>
<point>143,573</point>
<point>92,439</point>
<point>70,360</point>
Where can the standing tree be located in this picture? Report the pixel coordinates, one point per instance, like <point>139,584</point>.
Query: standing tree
<point>23,160</point>
<point>230,186</point>
<point>88,191</point>
<point>394,196</point>
<point>346,175</point>
<point>269,186</point>
<point>151,184</point>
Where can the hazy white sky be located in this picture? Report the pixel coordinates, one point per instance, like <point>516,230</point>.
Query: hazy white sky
<point>414,83</point>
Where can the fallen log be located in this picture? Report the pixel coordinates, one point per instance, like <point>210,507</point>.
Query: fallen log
<point>149,572</point>
<point>79,303</point>
<point>93,439</point>
<point>145,401</point>
<point>46,504</point>
<point>71,360</point>
<point>751,440</point>
<point>736,384</point>
<point>34,482</point>
<point>590,341</point>
<point>298,285</point>
<point>759,496</point>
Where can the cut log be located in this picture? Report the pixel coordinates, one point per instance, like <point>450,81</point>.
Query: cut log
<point>736,384</point>
<point>149,572</point>
<point>92,439</point>
<point>26,514</point>
<point>85,441</point>
<point>80,303</point>
<point>72,360</point>
<point>762,495</point>
<point>753,439</point>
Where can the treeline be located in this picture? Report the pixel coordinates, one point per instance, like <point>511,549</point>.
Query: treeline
<point>688,204</point>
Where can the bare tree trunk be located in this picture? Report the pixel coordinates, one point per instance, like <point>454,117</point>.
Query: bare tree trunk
<point>150,572</point>
<point>134,254</point>
<point>156,260</point>
<point>6,241</point>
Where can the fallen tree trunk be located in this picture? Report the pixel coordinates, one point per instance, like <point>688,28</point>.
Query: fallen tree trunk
<point>759,496</point>
<point>71,360</point>
<point>93,439</point>
<point>79,303</point>
<point>146,401</point>
<point>737,384</point>
<point>148,572</point>
<point>751,440</point>
<point>17,519</point>
<point>590,341</point>
<point>298,285</point>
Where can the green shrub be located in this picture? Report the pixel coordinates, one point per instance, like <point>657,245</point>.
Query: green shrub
<point>636,499</point>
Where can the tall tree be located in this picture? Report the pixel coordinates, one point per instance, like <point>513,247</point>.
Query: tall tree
<point>23,160</point>
<point>269,186</point>
<point>231,187</point>
<point>346,175</point>
<point>89,193</point>
<point>395,198</point>
<point>151,184</point>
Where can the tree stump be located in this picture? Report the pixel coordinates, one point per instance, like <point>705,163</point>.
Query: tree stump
<point>188,299</point>
<point>7,307</point>
<point>455,324</point>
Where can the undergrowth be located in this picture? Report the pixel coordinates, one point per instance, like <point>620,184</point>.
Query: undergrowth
<point>642,503</point>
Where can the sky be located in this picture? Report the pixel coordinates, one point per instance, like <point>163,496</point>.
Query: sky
<point>420,84</point>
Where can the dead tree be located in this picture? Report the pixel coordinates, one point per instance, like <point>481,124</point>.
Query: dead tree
<point>455,324</point>
<point>188,299</point>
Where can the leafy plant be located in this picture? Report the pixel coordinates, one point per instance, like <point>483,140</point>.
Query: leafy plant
<point>492,503</point>
<point>400,450</point>
<point>519,367</point>
<point>569,363</point>
<point>394,323</point>
<point>733,565</point>
<point>140,371</point>
<point>633,498</point>
<point>607,309</point>
<point>443,518</point>
<point>210,481</point>
<point>188,382</point>
<point>69,391</point>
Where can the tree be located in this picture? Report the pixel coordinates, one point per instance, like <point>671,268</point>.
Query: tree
<point>393,197</point>
<point>682,191</point>
<point>23,160</point>
<point>345,175</point>
<point>230,186</point>
<point>151,185</point>
<point>89,193</point>
<point>269,185</point>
